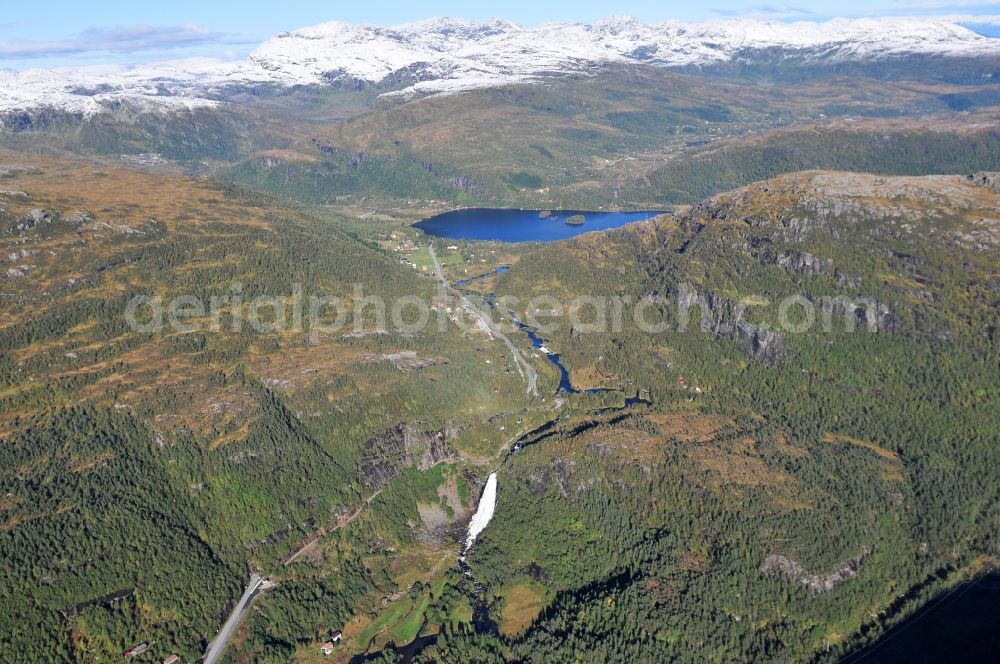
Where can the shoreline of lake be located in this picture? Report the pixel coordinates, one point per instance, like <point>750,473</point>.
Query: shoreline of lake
<point>526,225</point>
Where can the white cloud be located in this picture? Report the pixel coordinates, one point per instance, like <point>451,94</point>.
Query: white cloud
<point>130,39</point>
<point>778,12</point>
<point>968,19</point>
<point>942,4</point>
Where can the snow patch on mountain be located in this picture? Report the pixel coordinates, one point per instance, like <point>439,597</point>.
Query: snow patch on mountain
<point>450,55</point>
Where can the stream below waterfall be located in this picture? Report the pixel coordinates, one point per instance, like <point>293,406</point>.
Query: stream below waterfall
<point>477,592</point>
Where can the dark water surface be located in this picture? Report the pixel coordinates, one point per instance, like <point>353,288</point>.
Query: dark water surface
<point>962,625</point>
<point>510,225</point>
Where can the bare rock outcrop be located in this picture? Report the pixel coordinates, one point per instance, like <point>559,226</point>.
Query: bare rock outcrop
<point>816,584</point>
<point>724,318</point>
<point>403,446</point>
<point>989,179</point>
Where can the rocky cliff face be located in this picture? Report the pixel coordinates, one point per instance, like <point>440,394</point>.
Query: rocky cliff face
<point>725,318</point>
<point>403,446</point>
<point>868,251</point>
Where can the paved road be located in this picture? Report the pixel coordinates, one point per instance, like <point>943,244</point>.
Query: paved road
<point>485,322</point>
<point>218,644</point>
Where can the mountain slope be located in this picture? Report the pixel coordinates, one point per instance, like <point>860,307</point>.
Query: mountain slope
<point>144,470</point>
<point>446,55</point>
<point>450,55</point>
<point>790,493</point>
<point>630,136</point>
<point>812,481</point>
<point>944,143</point>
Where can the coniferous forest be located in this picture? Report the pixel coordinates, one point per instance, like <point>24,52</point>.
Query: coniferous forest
<point>250,411</point>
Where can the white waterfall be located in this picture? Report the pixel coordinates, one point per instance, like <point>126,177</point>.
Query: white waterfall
<point>487,503</point>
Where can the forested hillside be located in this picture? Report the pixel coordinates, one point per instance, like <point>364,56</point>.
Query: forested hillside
<point>634,137</point>
<point>789,494</point>
<point>950,145</point>
<point>146,470</point>
<point>253,411</point>
<point>730,484</point>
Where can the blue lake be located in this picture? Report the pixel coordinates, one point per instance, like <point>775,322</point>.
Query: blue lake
<point>508,225</point>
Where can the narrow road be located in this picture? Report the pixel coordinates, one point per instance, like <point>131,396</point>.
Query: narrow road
<point>486,323</point>
<point>323,532</point>
<point>257,584</point>
<point>218,644</point>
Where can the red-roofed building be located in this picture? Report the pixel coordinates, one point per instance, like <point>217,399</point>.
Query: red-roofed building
<point>137,649</point>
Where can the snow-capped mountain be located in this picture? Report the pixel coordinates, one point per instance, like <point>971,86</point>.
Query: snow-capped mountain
<point>449,55</point>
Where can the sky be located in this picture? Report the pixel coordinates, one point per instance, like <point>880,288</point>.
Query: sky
<point>57,33</point>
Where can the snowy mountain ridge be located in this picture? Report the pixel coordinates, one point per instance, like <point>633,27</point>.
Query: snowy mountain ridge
<point>451,55</point>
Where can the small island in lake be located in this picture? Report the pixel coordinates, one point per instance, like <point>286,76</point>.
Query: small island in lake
<point>545,214</point>
<point>576,220</point>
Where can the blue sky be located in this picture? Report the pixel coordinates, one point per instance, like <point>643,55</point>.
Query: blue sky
<point>71,32</point>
